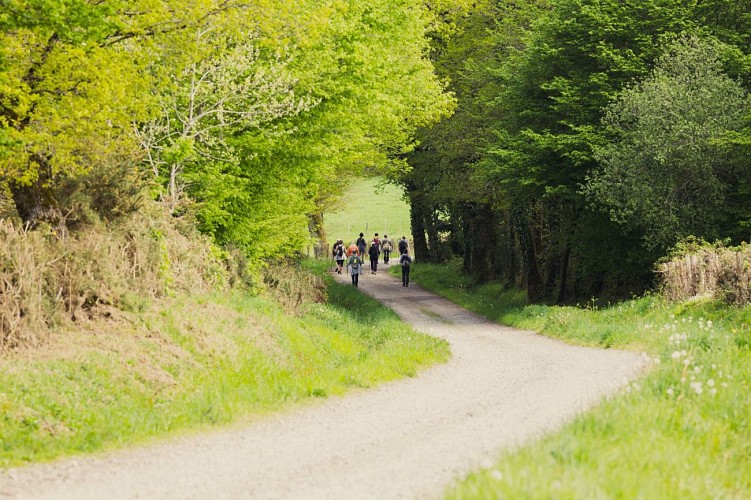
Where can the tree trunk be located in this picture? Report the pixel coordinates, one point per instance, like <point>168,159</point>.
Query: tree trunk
<point>36,204</point>
<point>417,221</point>
<point>564,275</point>
<point>318,232</point>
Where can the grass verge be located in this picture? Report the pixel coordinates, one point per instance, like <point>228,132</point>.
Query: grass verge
<point>185,363</point>
<point>681,431</point>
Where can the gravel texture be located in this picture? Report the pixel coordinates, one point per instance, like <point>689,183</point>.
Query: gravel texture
<point>406,439</point>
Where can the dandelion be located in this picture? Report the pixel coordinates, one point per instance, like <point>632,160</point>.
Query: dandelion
<point>724,384</point>
<point>670,391</point>
<point>710,382</point>
<point>697,369</point>
<point>687,361</point>
<point>696,386</point>
<point>497,475</point>
<point>684,353</point>
<point>675,355</point>
<point>713,391</point>
<point>714,366</point>
<point>709,323</point>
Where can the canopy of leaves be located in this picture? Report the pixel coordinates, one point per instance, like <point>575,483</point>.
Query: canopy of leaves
<point>666,169</point>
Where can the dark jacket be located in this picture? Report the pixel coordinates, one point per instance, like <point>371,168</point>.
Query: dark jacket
<point>374,252</point>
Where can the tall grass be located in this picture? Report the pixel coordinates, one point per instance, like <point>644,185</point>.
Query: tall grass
<point>681,431</point>
<point>46,280</point>
<point>182,363</point>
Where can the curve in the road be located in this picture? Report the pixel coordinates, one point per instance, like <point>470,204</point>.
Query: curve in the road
<point>405,439</point>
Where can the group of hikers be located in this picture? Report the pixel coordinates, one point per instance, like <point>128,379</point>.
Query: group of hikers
<point>354,255</point>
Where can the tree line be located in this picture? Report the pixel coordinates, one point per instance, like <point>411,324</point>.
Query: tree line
<point>243,117</point>
<point>589,138</point>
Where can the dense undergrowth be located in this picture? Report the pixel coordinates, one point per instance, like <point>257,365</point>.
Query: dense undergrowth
<point>680,431</point>
<point>49,280</point>
<point>178,363</point>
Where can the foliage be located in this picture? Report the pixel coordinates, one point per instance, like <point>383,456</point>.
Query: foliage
<point>666,170</point>
<point>244,113</point>
<point>500,182</point>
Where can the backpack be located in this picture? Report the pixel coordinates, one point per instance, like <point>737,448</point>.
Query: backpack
<point>403,245</point>
<point>406,260</point>
<point>355,262</point>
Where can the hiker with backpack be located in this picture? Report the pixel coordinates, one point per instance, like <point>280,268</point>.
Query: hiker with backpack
<point>355,268</point>
<point>403,245</point>
<point>386,247</point>
<point>361,245</point>
<point>405,261</point>
<point>339,255</point>
<point>374,252</point>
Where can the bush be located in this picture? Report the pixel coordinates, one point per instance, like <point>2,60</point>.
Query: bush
<point>45,278</point>
<point>709,269</point>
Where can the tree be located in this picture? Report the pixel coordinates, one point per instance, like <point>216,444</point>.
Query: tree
<point>666,170</point>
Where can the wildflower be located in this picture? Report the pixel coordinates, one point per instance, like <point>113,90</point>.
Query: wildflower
<point>696,386</point>
<point>675,355</point>
<point>713,391</point>
<point>687,361</point>
<point>709,323</point>
<point>710,382</point>
<point>697,369</point>
<point>670,391</point>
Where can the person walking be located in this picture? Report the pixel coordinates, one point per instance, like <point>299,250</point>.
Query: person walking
<point>362,245</point>
<point>386,247</point>
<point>355,268</point>
<point>405,261</point>
<point>351,250</point>
<point>374,252</point>
<point>403,245</point>
<point>339,255</point>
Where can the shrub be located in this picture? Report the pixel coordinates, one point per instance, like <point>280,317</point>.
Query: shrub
<point>45,278</point>
<point>709,269</point>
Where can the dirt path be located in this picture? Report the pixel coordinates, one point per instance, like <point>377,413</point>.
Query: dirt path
<point>406,439</point>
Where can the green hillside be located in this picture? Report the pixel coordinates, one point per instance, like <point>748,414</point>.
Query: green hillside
<point>369,206</point>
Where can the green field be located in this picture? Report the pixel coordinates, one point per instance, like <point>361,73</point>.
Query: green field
<point>369,206</point>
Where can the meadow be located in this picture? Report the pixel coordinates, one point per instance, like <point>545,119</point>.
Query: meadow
<point>369,206</point>
<point>680,431</point>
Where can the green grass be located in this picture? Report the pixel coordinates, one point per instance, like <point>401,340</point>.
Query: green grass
<point>191,363</point>
<point>369,207</point>
<point>681,431</point>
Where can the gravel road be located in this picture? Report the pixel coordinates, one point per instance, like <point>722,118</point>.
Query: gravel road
<point>405,439</point>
